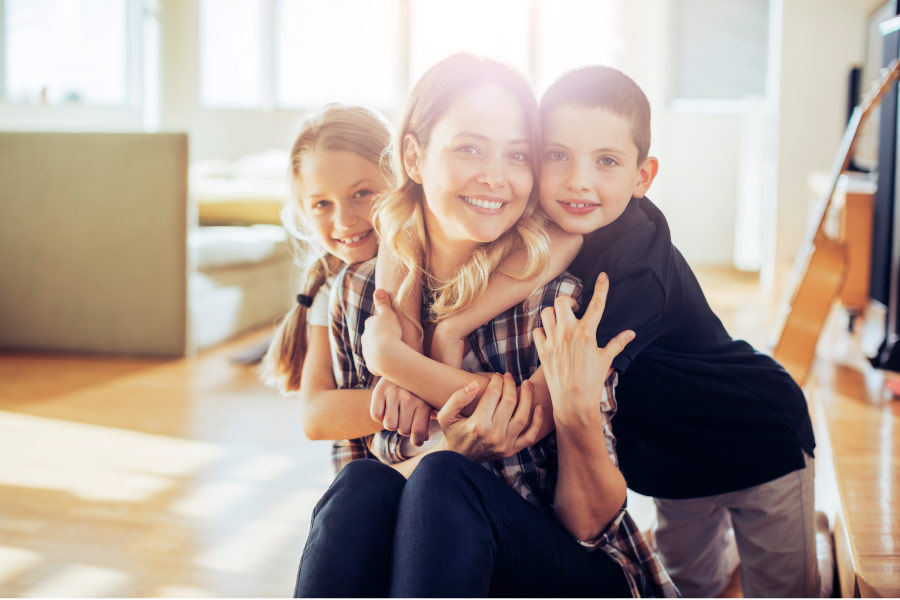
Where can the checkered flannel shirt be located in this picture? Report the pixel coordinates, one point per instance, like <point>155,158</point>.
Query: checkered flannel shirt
<point>502,345</point>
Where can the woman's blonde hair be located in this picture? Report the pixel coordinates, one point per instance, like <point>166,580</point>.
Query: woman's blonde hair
<point>336,128</point>
<point>399,217</point>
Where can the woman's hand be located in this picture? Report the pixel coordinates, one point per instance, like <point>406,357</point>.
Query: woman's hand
<point>499,425</point>
<point>381,333</point>
<point>575,368</point>
<point>401,411</point>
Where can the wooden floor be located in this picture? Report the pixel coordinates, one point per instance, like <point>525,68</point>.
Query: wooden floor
<point>123,477</point>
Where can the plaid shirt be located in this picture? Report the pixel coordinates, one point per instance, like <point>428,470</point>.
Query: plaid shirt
<point>502,345</point>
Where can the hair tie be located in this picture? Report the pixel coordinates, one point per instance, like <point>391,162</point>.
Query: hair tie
<point>304,300</point>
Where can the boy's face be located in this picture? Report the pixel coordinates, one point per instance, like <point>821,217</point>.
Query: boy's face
<point>590,168</point>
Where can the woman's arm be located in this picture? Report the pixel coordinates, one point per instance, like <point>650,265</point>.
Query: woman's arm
<point>590,490</point>
<point>329,413</point>
<point>502,293</point>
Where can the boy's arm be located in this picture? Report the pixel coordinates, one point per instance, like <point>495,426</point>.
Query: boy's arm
<point>387,277</point>
<point>502,293</point>
<point>329,413</point>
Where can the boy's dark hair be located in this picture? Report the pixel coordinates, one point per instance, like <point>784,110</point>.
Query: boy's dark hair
<point>603,87</point>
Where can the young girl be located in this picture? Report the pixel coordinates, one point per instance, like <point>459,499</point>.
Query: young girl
<point>337,169</point>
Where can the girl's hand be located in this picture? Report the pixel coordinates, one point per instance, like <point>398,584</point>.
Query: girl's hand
<point>446,347</point>
<point>499,425</point>
<point>381,332</point>
<point>401,411</point>
<point>575,368</point>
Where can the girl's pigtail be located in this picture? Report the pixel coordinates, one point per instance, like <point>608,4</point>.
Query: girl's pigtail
<point>282,365</point>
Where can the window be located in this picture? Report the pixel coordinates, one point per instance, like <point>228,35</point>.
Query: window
<point>438,29</point>
<point>339,50</point>
<point>231,65</point>
<point>69,52</point>
<point>720,49</point>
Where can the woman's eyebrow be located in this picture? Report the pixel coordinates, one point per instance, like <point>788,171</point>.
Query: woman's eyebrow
<point>481,136</point>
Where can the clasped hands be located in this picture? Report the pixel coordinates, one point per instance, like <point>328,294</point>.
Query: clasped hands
<point>502,424</point>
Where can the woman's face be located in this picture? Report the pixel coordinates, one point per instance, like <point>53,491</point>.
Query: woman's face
<point>339,187</point>
<point>476,171</point>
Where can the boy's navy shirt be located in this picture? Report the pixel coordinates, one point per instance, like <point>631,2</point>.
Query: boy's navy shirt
<point>699,413</point>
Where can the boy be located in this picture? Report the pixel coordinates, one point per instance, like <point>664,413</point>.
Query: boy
<point>716,432</point>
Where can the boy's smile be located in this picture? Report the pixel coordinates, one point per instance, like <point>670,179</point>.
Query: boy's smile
<point>590,168</point>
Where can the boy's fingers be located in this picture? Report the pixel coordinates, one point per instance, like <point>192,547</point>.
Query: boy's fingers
<point>563,307</point>
<point>595,308</point>
<point>617,344</point>
<point>458,400</point>
<point>548,320</point>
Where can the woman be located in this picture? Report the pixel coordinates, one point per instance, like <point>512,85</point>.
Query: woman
<point>464,201</point>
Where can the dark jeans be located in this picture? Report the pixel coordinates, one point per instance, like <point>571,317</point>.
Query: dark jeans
<point>453,530</point>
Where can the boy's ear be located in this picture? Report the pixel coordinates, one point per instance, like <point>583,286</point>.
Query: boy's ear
<point>412,158</point>
<point>647,172</point>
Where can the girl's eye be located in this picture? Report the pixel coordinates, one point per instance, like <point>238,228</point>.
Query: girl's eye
<point>362,194</point>
<point>321,205</point>
<point>557,155</point>
<point>607,161</point>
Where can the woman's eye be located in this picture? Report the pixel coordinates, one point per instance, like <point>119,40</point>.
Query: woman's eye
<point>607,161</point>
<point>557,155</point>
<point>468,149</point>
<point>518,156</point>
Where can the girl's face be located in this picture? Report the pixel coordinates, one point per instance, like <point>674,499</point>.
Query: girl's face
<point>339,187</point>
<point>476,172</point>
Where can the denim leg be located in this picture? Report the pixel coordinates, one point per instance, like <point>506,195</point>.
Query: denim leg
<point>348,551</point>
<point>462,532</point>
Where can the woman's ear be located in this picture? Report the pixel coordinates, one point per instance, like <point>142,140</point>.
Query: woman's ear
<point>647,173</point>
<point>412,158</point>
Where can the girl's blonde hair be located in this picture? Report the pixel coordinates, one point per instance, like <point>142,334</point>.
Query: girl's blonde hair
<point>337,128</point>
<point>399,217</point>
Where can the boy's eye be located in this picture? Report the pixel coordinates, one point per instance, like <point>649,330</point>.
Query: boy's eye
<point>607,161</point>
<point>557,155</point>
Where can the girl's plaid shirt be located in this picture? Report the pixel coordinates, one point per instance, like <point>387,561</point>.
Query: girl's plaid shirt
<point>502,345</point>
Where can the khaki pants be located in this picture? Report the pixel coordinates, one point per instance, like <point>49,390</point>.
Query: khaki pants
<point>769,528</point>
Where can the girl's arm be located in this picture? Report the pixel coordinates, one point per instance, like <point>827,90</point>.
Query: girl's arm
<point>387,277</point>
<point>329,413</point>
<point>503,292</point>
<point>432,381</point>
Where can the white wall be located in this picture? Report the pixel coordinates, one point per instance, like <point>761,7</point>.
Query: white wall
<point>821,41</point>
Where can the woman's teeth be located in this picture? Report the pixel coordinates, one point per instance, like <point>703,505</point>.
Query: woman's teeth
<point>354,239</point>
<point>482,203</point>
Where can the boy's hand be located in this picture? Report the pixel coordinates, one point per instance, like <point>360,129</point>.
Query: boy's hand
<point>499,425</point>
<point>575,368</point>
<point>401,411</point>
<point>381,330</point>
